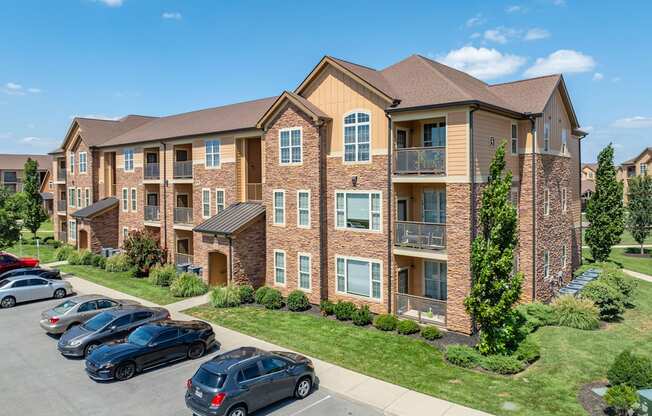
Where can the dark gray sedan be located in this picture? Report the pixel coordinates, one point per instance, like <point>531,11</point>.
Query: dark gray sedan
<point>26,288</point>
<point>116,324</point>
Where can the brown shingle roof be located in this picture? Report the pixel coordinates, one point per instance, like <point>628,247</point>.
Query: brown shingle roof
<point>370,75</point>
<point>634,159</point>
<point>17,162</point>
<point>96,131</point>
<point>528,95</point>
<point>306,106</point>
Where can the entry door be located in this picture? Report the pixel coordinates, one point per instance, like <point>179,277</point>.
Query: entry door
<point>403,277</point>
<point>152,199</point>
<point>152,157</point>
<point>182,155</point>
<point>401,139</point>
<point>434,206</point>
<point>402,210</point>
<point>217,269</point>
<point>182,200</point>
<point>182,246</point>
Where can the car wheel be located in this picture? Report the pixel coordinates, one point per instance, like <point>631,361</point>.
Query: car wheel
<point>196,350</point>
<point>238,410</point>
<point>89,349</point>
<point>304,386</point>
<point>59,293</point>
<point>125,371</point>
<point>8,302</point>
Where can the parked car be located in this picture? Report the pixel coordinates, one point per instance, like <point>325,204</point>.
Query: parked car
<point>78,310</point>
<point>10,262</point>
<point>247,379</point>
<point>25,288</point>
<point>81,340</point>
<point>148,346</point>
<point>52,274</point>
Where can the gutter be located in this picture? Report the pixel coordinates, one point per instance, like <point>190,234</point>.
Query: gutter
<point>475,103</point>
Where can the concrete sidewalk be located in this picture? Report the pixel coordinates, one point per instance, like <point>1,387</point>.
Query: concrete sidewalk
<point>638,275</point>
<point>389,398</point>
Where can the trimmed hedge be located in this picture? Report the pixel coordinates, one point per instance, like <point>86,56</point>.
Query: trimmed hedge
<point>609,300</point>
<point>246,293</point>
<point>260,294</point>
<point>86,258</point>
<point>187,285</point>
<point>298,301</point>
<point>344,310</point>
<point>537,314</point>
<point>98,261</point>
<point>462,356</point>
<point>225,297</point>
<point>162,275</point>
<point>502,364</point>
<point>407,327</point>
<point>362,316</point>
<point>430,333</point>
<point>386,322</point>
<point>632,370</point>
<point>326,307</point>
<point>273,299</point>
<point>626,286</point>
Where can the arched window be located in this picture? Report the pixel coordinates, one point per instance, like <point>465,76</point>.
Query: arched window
<point>357,137</point>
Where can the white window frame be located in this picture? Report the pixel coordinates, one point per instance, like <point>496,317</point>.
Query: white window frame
<point>564,200</point>
<point>546,265</point>
<point>125,233</point>
<point>80,197</point>
<point>71,157</point>
<point>514,139</point>
<point>128,162</point>
<point>564,141</point>
<point>133,199</point>
<point>299,192</point>
<point>284,268</point>
<point>274,207</point>
<point>356,143</point>
<point>83,162</point>
<point>642,169</point>
<point>220,207</point>
<point>371,212</point>
<point>546,201</point>
<point>210,157</point>
<point>72,197</point>
<point>205,203</point>
<point>72,230</point>
<point>345,292</point>
<point>290,146</point>
<point>546,136</point>
<point>309,272</point>
<point>87,197</point>
<point>125,200</point>
<point>564,256</point>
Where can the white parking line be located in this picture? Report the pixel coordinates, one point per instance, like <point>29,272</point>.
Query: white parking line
<point>311,406</point>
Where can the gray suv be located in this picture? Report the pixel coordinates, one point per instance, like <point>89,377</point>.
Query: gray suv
<point>247,379</point>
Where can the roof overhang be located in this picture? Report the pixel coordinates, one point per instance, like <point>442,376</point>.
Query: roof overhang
<point>316,115</point>
<point>480,105</point>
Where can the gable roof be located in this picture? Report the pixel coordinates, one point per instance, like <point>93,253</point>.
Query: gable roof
<point>231,220</point>
<point>634,159</point>
<point>17,162</point>
<point>96,208</point>
<point>306,106</point>
<point>592,166</point>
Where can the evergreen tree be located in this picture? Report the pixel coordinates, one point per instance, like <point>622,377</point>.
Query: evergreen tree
<point>34,213</point>
<point>639,208</point>
<point>604,211</point>
<point>9,228</point>
<point>496,287</point>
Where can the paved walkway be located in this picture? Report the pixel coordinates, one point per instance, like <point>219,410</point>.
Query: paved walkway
<point>391,399</point>
<point>638,275</point>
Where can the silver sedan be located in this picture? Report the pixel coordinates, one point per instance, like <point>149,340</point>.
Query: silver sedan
<point>77,310</point>
<point>26,288</point>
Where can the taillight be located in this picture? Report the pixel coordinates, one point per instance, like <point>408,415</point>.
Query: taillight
<point>54,320</point>
<point>189,384</point>
<point>218,399</point>
<point>167,316</point>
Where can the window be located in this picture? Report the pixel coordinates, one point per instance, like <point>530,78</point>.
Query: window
<point>279,267</point>
<point>546,264</point>
<point>72,162</point>
<point>82,162</point>
<point>87,307</point>
<point>358,210</point>
<point>71,197</point>
<point>564,141</point>
<point>206,203</point>
<point>303,209</point>
<point>564,200</point>
<point>272,365</point>
<point>356,137</point>
<point>129,160</point>
<point>435,280</point>
<point>125,233</point>
<point>279,207</point>
<point>514,139</point>
<point>72,229</point>
<point>546,137</point>
<point>121,321</point>
<point>134,204</point>
<point>79,197</point>
<point>546,201</point>
<point>434,134</point>
<point>87,197</point>
<point>249,373</point>
<point>358,277</point>
<point>212,153</point>
<point>590,175</point>
<point>643,169</point>
<point>564,257</point>
<point>219,200</point>
<point>125,199</point>
<point>10,177</point>
<point>434,207</point>
<point>304,271</point>
<point>290,146</point>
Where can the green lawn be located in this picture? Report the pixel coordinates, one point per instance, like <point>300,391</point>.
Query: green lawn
<point>570,357</point>
<point>123,282</point>
<point>25,249</point>
<point>637,264</point>
<point>625,239</point>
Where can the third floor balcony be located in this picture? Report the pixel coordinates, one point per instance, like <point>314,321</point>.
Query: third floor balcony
<point>420,235</point>
<point>420,161</point>
<point>182,170</point>
<point>183,216</point>
<point>152,171</point>
<point>152,213</point>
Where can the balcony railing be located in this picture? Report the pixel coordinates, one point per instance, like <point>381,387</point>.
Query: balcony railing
<point>183,170</point>
<point>254,192</point>
<point>61,174</point>
<point>63,236</point>
<point>421,309</point>
<point>181,258</point>
<point>420,160</point>
<point>61,205</point>
<point>152,213</point>
<point>420,235</point>
<point>183,216</point>
<point>152,171</point>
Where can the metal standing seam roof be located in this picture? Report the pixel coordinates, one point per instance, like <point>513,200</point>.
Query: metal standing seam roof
<point>96,207</point>
<point>232,219</point>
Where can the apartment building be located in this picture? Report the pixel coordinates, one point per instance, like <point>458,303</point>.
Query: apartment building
<point>587,187</point>
<point>359,185</point>
<point>12,170</point>
<point>638,166</point>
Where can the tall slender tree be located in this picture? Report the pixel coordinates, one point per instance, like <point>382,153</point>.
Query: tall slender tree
<point>604,211</point>
<point>496,286</point>
<point>9,228</point>
<point>639,208</point>
<point>34,214</point>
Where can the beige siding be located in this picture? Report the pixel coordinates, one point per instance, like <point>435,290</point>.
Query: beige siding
<point>487,125</point>
<point>456,144</point>
<point>555,114</point>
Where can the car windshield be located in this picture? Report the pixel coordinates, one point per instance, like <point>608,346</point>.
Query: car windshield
<point>209,379</point>
<point>64,307</point>
<point>4,282</point>
<point>142,336</point>
<point>98,322</point>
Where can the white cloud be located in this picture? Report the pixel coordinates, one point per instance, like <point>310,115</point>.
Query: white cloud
<point>563,60</point>
<point>12,88</point>
<point>111,3</point>
<point>39,142</point>
<point>536,34</point>
<point>636,122</point>
<point>476,35</point>
<point>97,116</point>
<point>598,76</point>
<point>172,15</point>
<point>475,20</point>
<point>34,90</point>
<point>482,63</point>
<point>514,8</point>
<point>6,135</point>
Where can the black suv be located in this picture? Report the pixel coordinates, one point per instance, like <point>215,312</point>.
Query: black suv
<point>247,379</point>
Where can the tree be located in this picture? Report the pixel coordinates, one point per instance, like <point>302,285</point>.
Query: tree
<point>9,227</point>
<point>605,212</point>
<point>34,213</point>
<point>143,251</point>
<point>496,286</point>
<point>639,208</point>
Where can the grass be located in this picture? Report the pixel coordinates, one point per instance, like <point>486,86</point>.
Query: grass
<point>123,282</point>
<point>618,256</point>
<point>625,239</point>
<point>24,249</point>
<point>569,357</point>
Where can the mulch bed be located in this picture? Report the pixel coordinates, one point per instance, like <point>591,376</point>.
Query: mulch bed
<point>592,403</point>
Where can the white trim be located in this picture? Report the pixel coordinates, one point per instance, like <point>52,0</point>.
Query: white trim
<point>83,172</point>
<point>124,202</point>
<point>71,163</point>
<point>546,201</point>
<point>290,130</point>
<point>546,137</point>
<point>72,193</point>
<point>564,256</point>
<point>219,154</point>
<point>407,137</point>
<point>299,255</point>
<point>204,202</point>
<point>353,295</point>
<point>300,191</point>
<point>285,268</point>
<point>217,205</point>
<point>124,159</point>
<point>274,219</point>
<point>513,138</point>
<point>564,200</point>
<point>546,265</point>
<point>356,124</point>
<point>380,211</point>
<point>87,197</point>
<point>72,235</point>
<point>420,253</point>
<point>80,198</point>
<point>407,206</point>
<point>125,233</point>
<point>564,142</point>
<point>133,200</point>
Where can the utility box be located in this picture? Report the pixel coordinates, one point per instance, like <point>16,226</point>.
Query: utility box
<point>646,402</point>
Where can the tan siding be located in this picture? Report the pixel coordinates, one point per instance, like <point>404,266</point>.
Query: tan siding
<point>456,141</point>
<point>555,114</point>
<point>487,125</point>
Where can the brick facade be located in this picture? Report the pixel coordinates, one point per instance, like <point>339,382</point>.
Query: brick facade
<point>101,230</point>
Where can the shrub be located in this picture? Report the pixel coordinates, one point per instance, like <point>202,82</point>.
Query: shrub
<point>528,351</point>
<point>326,307</point>
<point>431,333</point>
<point>74,258</point>
<point>187,285</point>
<point>143,251</point>
<point>625,286</point>
<point>246,293</point>
<point>462,356</point>
<point>576,312</point>
<point>386,322</point>
<point>117,263</point>
<point>86,257</point>
<point>632,370</point>
<point>362,316</point>
<point>63,252</point>
<point>98,261</point>
<point>298,301</point>
<point>56,243</point>
<point>536,315</point>
<point>273,299</point>
<point>622,399</point>
<point>260,294</point>
<point>225,297</point>
<point>344,310</point>
<point>609,301</point>
<point>162,275</point>
<point>407,327</point>
<point>502,364</point>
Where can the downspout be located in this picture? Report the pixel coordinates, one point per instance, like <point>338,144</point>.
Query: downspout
<point>165,199</point>
<point>323,227</point>
<point>534,207</point>
<point>230,259</point>
<point>390,208</point>
<point>473,193</point>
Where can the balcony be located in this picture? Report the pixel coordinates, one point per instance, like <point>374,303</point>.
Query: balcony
<point>182,170</point>
<point>254,192</point>
<point>152,171</point>
<point>61,205</point>
<point>152,213</point>
<point>420,161</point>
<point>61,175</point>
<point>183,259</point>
<point>421,235</point>
<point>421,309</point>
<point>183,216</point>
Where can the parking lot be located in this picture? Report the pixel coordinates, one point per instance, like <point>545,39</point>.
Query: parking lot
<point>37,380</point>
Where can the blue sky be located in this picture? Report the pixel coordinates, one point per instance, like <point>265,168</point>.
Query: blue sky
<point>109,58</point>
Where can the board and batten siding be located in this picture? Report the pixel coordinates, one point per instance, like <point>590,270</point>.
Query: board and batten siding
<point>486,126</point>
<point>457,153</point>
<point>555,114</point>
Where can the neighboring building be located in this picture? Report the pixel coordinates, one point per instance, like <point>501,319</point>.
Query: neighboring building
<point>12,170</point>
<point>587,186</point>
<point>638,166</point>
<point>360,185</point>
